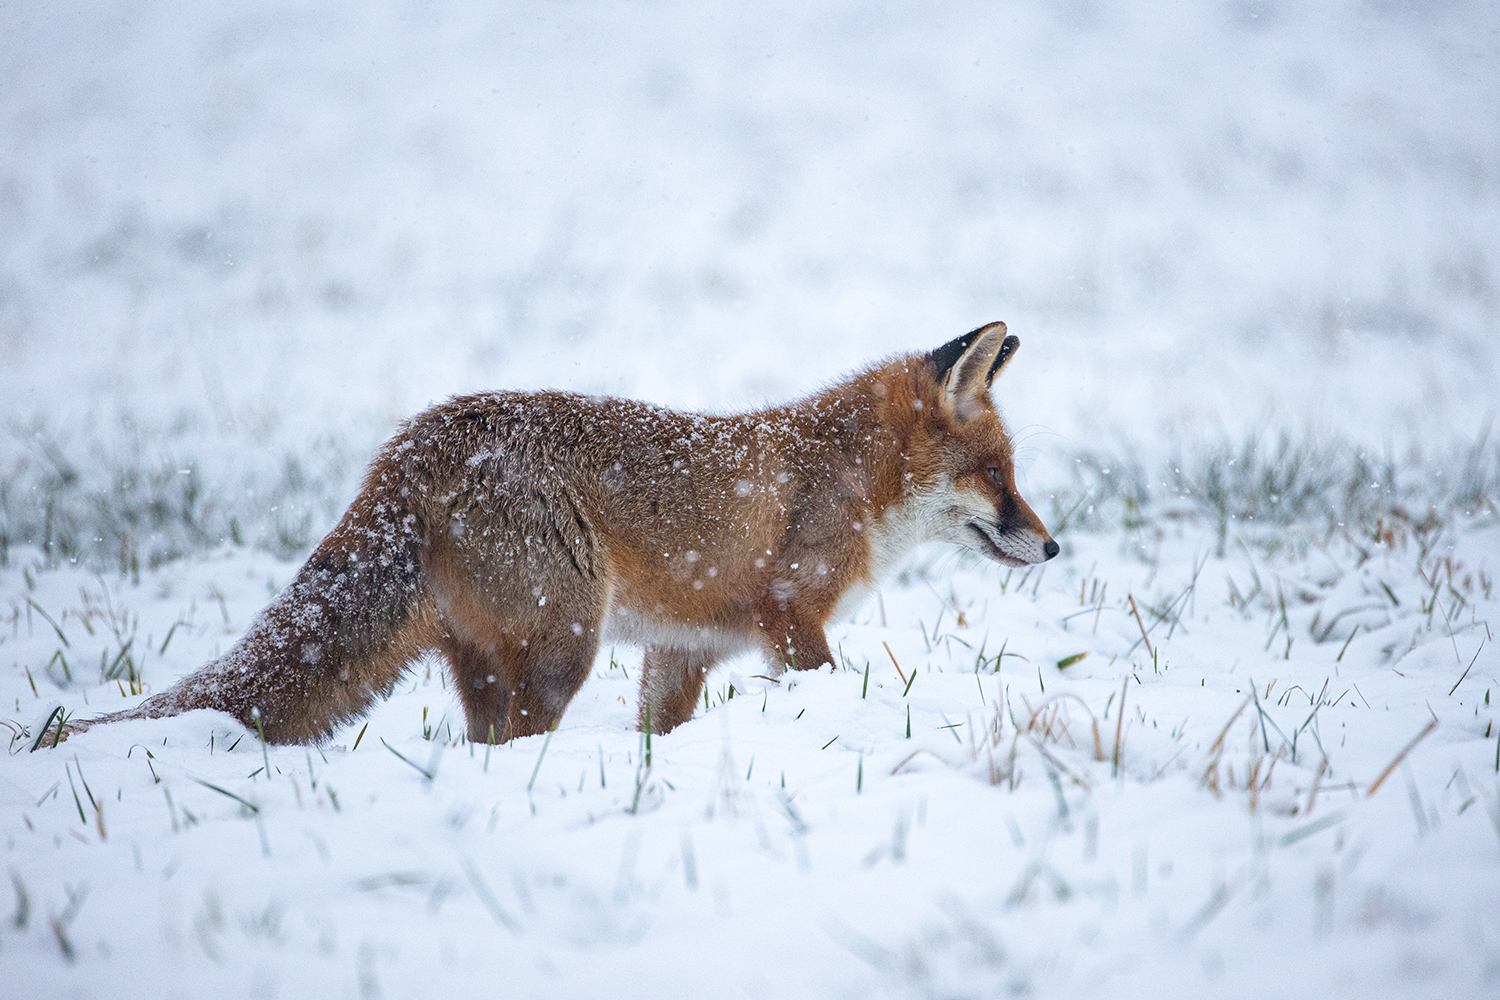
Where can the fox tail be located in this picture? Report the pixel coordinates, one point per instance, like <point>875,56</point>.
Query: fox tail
<point>338,637</point>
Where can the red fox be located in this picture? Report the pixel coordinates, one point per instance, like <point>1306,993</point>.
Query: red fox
<point>513,531</point>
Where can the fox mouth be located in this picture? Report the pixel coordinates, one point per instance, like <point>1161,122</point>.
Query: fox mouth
<point>991,549</point>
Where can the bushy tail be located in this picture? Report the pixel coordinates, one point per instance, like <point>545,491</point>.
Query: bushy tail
<point>336,638</point>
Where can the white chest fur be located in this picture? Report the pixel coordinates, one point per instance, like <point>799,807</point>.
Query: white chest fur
<point>922,516</point>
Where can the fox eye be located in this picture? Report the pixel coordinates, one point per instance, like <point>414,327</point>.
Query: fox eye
<point>994,475</point>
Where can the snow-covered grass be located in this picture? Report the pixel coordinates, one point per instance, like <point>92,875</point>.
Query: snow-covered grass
<point>1326,483</point>
<point>1249,249</point>
<point>1146,767</point>
<point>145,498</point>
<point>141,496</point>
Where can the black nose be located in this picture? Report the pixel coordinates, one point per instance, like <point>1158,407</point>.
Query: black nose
<point>1051,548</point>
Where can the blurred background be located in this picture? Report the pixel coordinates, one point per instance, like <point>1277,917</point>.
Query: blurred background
<point>238,243</point>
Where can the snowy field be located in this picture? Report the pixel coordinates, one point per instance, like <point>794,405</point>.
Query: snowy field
<point>1238,740</point>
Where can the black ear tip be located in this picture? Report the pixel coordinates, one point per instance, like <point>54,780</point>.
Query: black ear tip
<point>1007,348</point>
<point>944,358</point>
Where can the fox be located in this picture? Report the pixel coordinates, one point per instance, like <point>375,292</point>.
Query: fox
<point>513,532</point>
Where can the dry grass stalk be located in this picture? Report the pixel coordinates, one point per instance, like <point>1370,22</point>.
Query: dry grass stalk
<point>1120,722</point>
<point>893,660</point>
<point>1210,778</point>
<point>1312,796</point>
<point>1137,612</point>
<point>1396,761</point>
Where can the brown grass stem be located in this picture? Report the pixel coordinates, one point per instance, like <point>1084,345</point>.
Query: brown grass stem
<point>1396,761</point>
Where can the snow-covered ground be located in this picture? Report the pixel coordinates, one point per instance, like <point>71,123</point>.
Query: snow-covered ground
<point>236,246</point>
<point>1129,824</point>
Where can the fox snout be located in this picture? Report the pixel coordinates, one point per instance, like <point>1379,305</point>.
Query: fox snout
<point>1013,547</point>
<point>1012,534</point>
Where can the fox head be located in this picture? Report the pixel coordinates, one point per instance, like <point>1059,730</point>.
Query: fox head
<point>961,459</point>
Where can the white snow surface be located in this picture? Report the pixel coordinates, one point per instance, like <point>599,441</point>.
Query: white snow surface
<point>794,840</point>
<point>236,233</point>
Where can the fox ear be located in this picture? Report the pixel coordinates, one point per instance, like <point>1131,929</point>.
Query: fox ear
<point>965,366</point>
<point>1007,350</point>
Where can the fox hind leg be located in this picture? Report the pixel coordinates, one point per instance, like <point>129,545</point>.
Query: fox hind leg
<point>518,690</point>
<point>671,681</point>
<point>517,659</point>
<point>552,669</point>
<point>484,685</point>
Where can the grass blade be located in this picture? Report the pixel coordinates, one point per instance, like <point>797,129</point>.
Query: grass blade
<point>224,791</point>
<point>417,767</point>
<point>1396,761</point>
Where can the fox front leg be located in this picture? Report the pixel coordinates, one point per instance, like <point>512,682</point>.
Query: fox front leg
<point>671,681</point>
<point>796,640</point>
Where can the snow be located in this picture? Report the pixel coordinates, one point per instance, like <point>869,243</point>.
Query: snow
<point>240,245</point>
<point>793,840</point>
